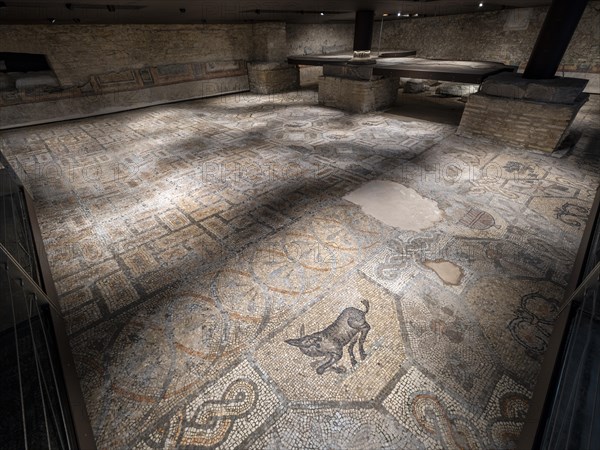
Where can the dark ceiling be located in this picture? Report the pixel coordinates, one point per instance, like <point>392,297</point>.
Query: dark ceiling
<point>212,11</point>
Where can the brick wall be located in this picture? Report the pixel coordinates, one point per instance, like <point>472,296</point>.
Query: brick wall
<point>520,123</point>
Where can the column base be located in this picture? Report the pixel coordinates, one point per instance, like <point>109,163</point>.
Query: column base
<point>362,57</point>
<point>271,78</point>
<point>356,89</point>
<point>360,96</point>
<point>531,114</point>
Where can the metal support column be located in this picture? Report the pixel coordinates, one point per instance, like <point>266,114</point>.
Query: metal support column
<point>363,30</point>
<point>553,39</point>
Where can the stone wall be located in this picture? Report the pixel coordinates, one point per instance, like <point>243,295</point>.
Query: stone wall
<point>506,36</point>
<point>100,60</point>
<point>305,39</point>
<point>100,68</point>
<point>78,52</point>
<point>269,42</point>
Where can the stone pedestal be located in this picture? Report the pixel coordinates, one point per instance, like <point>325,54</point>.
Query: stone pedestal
<point>272,77</point>
<point>532,114</point>
<point>356,89</point>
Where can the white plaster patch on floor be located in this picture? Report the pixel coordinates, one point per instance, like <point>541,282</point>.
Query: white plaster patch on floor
<point>396,205</point>
<point>448,272</point>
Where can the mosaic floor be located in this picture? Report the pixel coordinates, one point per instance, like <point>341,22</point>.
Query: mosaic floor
<point>262,272</point>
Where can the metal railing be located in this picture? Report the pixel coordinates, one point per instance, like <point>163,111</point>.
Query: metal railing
<point>35,408</point>
<point>40,397</point>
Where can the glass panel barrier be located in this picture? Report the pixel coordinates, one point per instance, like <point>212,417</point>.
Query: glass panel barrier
<point>38,382</point>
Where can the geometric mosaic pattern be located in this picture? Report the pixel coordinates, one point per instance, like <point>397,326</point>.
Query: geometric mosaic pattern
<point>192,244</point>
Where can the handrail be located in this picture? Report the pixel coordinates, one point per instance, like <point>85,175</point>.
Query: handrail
<point>17,272</point>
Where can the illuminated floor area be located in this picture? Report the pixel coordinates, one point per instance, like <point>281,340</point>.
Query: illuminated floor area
<point>261,272</point>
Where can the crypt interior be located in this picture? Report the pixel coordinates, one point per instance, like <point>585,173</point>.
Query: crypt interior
<point>300,225</point>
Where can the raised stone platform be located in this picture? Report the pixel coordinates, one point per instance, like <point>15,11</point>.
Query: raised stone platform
<point>272,77</point>
<point>532,114</point>
<point>431,69</point>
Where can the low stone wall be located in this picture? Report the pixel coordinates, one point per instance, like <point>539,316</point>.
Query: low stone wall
<point>64,108</point>
<point>359,96</point>
<point>520,123</point>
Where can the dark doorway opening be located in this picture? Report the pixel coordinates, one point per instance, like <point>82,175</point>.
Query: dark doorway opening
<point>23,62</point>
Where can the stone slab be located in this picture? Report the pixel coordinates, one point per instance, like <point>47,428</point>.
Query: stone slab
<point>440,69</point>
<point>514,86</point>
<point>410,67</point>
<point>35,80</point>
<point>456,90</point>
<point>414,87</point>
<point>342,57</point>
<point>396,205</point>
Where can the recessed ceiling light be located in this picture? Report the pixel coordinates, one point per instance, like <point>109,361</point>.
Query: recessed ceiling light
<point>322,13</point>
<point>399,14</point>
<point>480,4</point>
